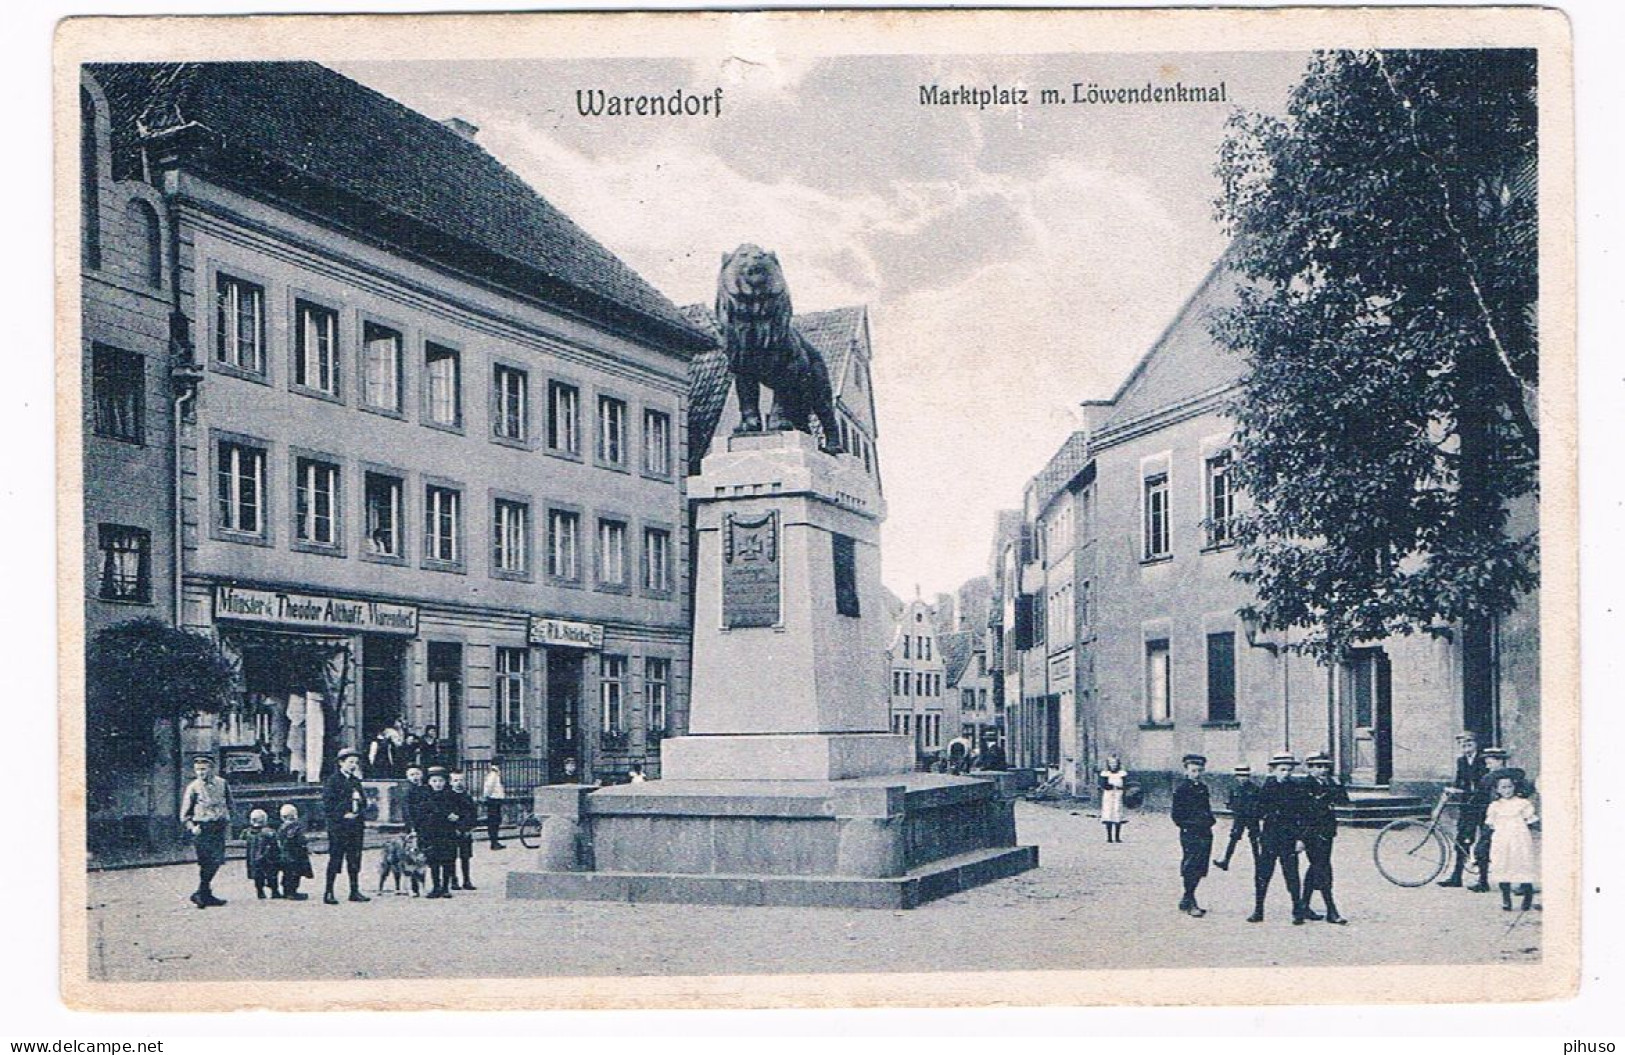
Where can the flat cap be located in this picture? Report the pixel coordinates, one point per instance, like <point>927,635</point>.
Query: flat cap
<point>349,752</point>
<point>1200,760</point>
<point>437,771</point>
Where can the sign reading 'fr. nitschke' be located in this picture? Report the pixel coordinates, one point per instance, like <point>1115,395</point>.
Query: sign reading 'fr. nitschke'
<point>314,611</point>
<point>750,571</point>
<point>563,632</point>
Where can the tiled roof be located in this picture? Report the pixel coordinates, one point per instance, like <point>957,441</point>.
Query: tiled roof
<point>831,332</point>
<point>956,649</point>
<point>308,135</point>
<point>1063,468</point>
<point>1186,361</point>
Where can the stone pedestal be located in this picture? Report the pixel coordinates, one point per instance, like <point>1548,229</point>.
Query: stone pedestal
<point>789,788</point>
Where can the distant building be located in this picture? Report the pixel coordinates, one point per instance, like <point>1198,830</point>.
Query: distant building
<point>433,470</point>
<point>921,705</point>
<point>968,679</point>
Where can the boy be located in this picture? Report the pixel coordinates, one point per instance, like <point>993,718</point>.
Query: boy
<point>1193,813</point>
<point>1470,768</point>
<point>259,854</point>
<point>344,800</point>
<point>1280,810</point>
<point>1325,793</point>
<point>1243,803</point>
<point>206,813</point>
<point>465,828</point>
<point>494,794</point>
<point>293,853</point>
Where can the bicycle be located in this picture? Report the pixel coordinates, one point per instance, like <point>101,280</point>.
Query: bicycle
<point>1412,852</point>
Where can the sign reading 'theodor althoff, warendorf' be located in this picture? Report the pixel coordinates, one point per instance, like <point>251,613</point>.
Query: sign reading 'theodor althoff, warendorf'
<point>314,611</point>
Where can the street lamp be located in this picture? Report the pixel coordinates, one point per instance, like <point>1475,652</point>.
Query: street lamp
<point>1252,624</point>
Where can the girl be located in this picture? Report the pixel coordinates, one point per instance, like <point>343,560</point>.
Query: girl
<point>1512,849</point>
<point>1113,780</point>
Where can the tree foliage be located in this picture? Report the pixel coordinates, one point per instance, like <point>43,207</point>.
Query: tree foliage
<point>1385,233</point>
<point>139,673</point>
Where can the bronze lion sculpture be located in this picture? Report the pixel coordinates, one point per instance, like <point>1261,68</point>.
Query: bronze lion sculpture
<point>753,313</point>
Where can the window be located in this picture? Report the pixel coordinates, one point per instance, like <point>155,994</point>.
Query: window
<point>240,488</point>
<point>118,385</point>
<point>442,513</point>
<point>126,563</point>
<point>316,502</point>
<point>443,384</point>
<point>316,343</point>
<point>1221,677</point>
<point>512,664</point>
<point>1158,705</point>
<point>908,645</point>
<point>657,693</point>
<point>611,695</point>
<point>384,516</point>
<point>611,553</point>
<point>563,544</point>
<point>1085,602</point>
<point>445,662</point>
<point>510,534</point>
<point>657,442</point>
<point>510,406</point>
<point>563,418</point>
<point>656,560</point>
<point>846,574</point>
<point>239,340</point>
<point>90,198</point>
<point>908,684</point>
<point>1221,500</point>
<point>1156,516</point>
<point>381,367</point>
<point>611,430</point>
<point>145,232</point>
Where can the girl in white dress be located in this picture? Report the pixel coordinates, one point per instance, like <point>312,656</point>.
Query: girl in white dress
<point>1512,848</point>
<point>1113,780</point>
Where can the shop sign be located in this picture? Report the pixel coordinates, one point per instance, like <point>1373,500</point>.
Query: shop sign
<point>1060,672</point>
<point>564,633</point>
<point>750,571</point>
<point>314,611</point>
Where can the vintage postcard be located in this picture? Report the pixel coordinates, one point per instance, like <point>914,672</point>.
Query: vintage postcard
<point>818,509</point>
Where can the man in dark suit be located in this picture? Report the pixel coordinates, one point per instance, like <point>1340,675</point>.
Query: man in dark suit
<point>1324,794</point>
<point>345,802</point>
<point>1193,813</point>
<point>1469,772</point>
<point>1243,803</point>
<point>1280,810</point>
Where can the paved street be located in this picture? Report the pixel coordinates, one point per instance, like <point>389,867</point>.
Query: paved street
<point>1086,907</point>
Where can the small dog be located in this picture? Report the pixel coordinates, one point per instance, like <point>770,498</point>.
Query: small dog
<point>402,857</point>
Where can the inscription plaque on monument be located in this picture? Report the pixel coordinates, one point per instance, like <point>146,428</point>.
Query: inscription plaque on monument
<point>750,571</point>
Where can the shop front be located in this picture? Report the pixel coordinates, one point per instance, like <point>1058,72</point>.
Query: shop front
<point>567,646</point>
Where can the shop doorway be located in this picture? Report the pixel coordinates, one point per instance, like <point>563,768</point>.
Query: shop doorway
<point>564,671</point>
<point>445,702</point>
<point>383,684</point>
<point>1365,717</point>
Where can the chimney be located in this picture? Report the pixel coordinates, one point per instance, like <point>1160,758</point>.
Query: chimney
<point>467,129</point>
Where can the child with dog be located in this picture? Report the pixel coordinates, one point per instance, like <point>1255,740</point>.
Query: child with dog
<point>292,853</point>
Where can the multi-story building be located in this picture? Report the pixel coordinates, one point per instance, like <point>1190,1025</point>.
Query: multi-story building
<point>965,671</point>
<point>1135,516</point>
<point>126,271</point>
<point>921,704</point>
<point>432,472</point>
<point>1004,603</point>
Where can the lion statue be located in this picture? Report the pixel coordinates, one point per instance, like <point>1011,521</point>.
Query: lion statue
<point>753,312</point>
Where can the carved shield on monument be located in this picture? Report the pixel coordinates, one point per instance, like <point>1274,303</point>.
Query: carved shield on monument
<point>750,570</point>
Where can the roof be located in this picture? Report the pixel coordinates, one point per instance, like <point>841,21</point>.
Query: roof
<point>330,146</point>
<point>832,332</point>
<point>1063,467</point>
<point>956,649</point>
<point>1186,361</point>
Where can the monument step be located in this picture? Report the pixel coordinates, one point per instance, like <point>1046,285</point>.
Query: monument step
<point>920,885</point>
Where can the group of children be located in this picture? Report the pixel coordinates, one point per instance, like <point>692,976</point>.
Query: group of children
<point>1493,829</point>
<point>278,858</point>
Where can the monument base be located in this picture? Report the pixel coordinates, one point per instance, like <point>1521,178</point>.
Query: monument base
<point>870,842</point>
<point>786,756</point>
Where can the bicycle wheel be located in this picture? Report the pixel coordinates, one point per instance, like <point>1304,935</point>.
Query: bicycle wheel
<point>530,832</point>
<point>1411,853</point>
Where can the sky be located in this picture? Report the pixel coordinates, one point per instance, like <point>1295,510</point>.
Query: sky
<point>1015,260</point>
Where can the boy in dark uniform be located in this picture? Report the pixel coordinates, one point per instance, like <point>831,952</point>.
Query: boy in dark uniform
<point>1470,767</point>
<point>260,855</point>
<point>466,814</point>
<point>345,802</point>
<point>1193,812</point>
<point>1280,810</point>
<point>293,852</point>
<point>1243,803</point>
<point>437,824</point>
<point>410,790</point>
<point>1324,794</point>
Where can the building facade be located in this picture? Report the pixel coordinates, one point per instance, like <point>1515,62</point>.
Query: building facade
<point>432,473</point>
<point>922,705</point>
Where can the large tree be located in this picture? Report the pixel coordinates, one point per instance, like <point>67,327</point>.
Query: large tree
<point>1385,233</point>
